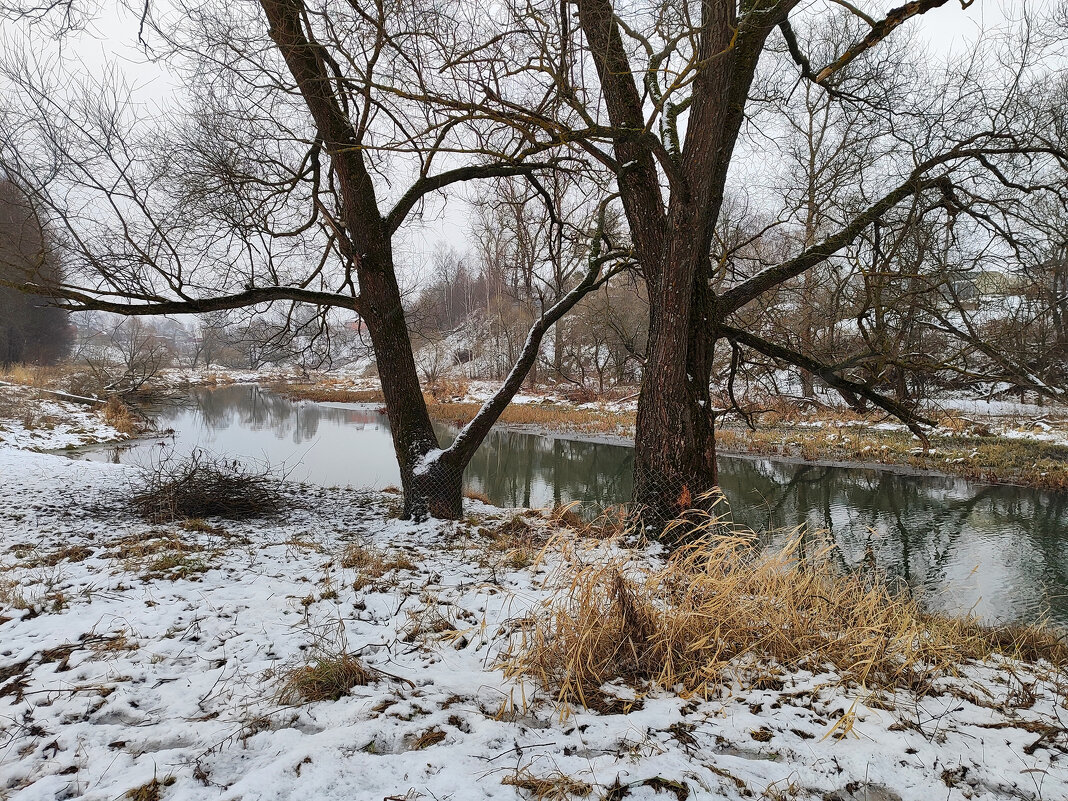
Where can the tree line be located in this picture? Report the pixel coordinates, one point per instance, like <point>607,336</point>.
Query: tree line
<point>31,330</point>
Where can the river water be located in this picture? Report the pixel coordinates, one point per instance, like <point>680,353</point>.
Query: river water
<point>999,551</point>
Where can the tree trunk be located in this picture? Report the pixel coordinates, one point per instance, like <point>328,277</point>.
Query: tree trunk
<point>369,248</point>
<point>434,492</point>
<point>434,489</point>
<point>675,451</point>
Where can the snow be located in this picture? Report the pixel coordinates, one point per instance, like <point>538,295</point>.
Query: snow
<point>111,676</point>
<point>53,424</point>
<point>427,461</point>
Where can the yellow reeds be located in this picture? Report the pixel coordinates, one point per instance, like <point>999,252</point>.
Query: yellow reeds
<point>722,610</point>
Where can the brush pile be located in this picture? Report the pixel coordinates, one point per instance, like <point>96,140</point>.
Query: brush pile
<point>204,486</point>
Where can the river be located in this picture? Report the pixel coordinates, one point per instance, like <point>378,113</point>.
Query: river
<point>1000,551</point>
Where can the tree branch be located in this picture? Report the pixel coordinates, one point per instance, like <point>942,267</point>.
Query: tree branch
<point>75,300</point>
<point>431,183</point>
<point>879,31</point>
<point>848,389</point>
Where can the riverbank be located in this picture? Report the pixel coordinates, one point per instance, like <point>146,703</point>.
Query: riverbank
<point>994,442</point>
<point>334,652</point>
<point>33,420</point>
<point>997,443</point>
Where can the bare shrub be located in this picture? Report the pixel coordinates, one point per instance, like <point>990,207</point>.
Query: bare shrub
<point>203,486</point>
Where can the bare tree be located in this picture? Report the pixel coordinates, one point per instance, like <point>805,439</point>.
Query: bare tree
<point>678,90</point>
<point>273,190</point>
<point>129,353</point>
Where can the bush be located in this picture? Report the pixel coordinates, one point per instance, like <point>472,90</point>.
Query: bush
<point>202,486</point>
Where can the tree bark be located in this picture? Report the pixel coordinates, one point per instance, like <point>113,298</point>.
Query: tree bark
<point>370,243</point>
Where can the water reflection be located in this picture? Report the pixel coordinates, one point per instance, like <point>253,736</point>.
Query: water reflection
<point>998,550</point>
<point>519,469</point>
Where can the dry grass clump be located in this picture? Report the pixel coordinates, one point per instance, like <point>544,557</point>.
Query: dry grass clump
<point>478,495</point>
<point>160,554</point>
<point>141,545</point>
<point>71,553</point>
<point>428,738</point>
<point>516,542</point>
<point>174,566</point>
<point>152,791</point>
<point>327,677</point>
<point>374,563</point>
<point>202,486</point>
<point>122,418</point>
<point>555,786</point>
<point>720,610</point>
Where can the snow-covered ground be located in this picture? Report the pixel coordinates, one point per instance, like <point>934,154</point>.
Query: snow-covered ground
<point>42,424</point>
<point>133,653</point>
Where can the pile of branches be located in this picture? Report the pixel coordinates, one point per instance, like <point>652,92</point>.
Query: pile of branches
<point>202,486</point>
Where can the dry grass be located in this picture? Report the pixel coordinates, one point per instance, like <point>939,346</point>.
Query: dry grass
<point>553,786</point>
<point>515,542</point>
<point>73,378</point>
<point>721,611</point>
<point>34,376</point>
<point>137,547</point>
<point>326,677</point>
<point>174,566</point>
<point>153,791</point>
<point>428,738</point>
<point>160,555</point>
<point>556,417</point>
<point>71,553</point>
<point>122,418</point>
<point>372,563</point>
<point>448,389</point>
<point>202,527</point>
<point>328,391</point>
<point>962,450</point>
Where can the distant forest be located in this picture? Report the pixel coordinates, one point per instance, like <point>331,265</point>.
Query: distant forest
<point>31,331</point>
